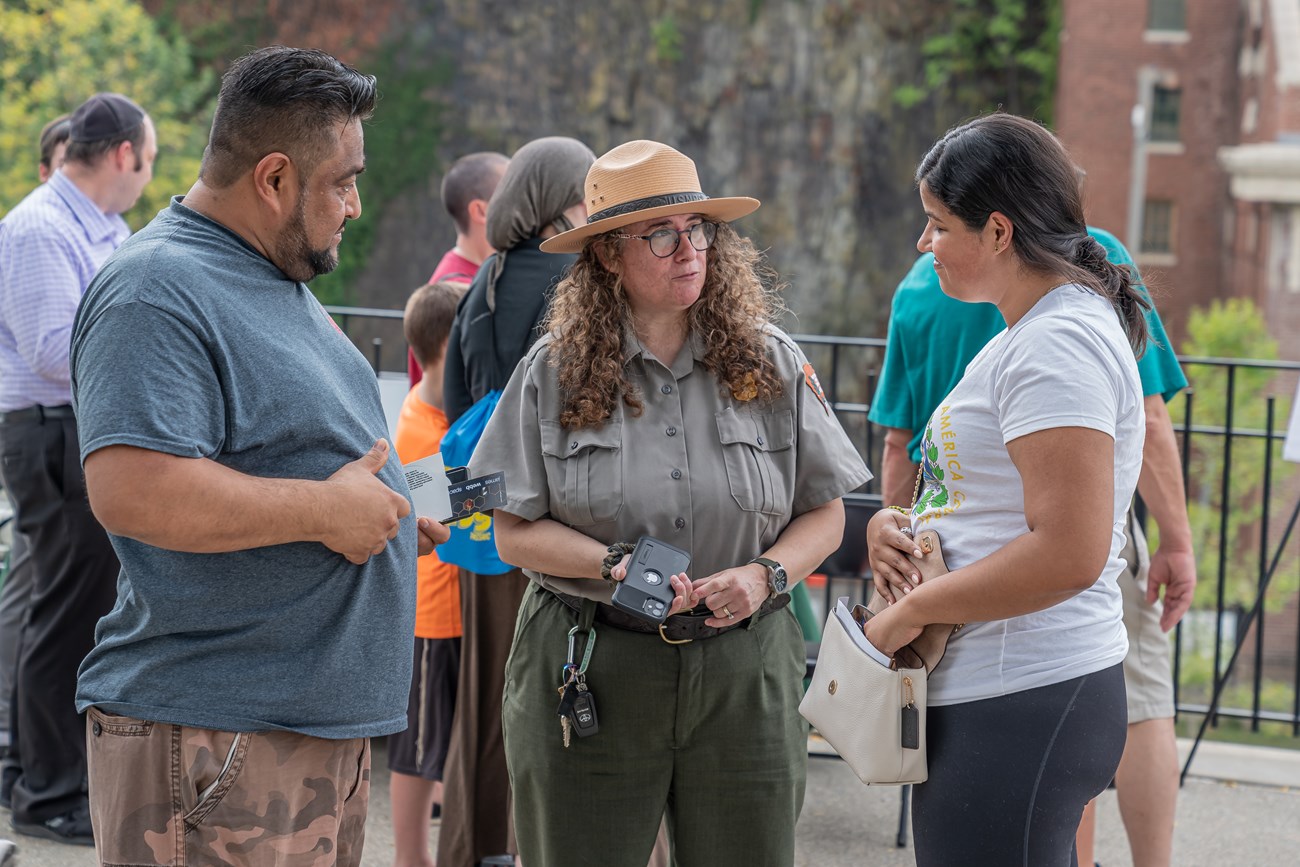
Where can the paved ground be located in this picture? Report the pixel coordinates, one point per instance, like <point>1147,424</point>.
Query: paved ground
<point>1240,807</point>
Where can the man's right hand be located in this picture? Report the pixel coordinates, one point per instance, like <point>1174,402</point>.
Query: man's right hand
<point>1176,571</point>
<point>362,514</point>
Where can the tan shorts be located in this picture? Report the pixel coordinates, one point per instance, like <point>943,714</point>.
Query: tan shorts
<point>165,795</point>
<point>1148,674</point>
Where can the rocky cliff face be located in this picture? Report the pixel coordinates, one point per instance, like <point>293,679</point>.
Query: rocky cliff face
<point>790,102</point>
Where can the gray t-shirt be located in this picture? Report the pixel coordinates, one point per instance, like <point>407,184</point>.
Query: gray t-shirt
<point>191,343</point>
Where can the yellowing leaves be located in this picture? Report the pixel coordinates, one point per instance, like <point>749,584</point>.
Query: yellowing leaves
<point>56,53</point>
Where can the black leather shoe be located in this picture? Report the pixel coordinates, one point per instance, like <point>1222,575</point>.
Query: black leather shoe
<point>72,827</point>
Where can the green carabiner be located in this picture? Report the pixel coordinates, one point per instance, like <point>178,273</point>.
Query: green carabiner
<point>586,655</point>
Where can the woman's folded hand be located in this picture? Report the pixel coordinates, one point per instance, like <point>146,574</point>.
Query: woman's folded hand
<point>733,594</point>
<point>889,542</point>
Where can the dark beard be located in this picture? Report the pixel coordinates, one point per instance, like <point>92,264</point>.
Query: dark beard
<point>296,257</point>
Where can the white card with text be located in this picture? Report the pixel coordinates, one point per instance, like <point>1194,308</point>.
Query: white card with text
<point>427,479</point>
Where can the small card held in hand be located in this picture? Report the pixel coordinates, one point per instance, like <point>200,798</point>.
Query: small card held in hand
<point>445,495</point>
<point>477,495</point>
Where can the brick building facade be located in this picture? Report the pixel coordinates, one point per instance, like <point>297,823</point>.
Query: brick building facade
<point>1219,212</point>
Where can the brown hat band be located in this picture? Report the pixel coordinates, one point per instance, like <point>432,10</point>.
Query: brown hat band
<point>647,203</point>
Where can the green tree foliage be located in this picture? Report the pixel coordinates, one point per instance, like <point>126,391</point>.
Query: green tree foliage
<point>991,54</point>
<point>1232,328</point>
<point>56,53</point>
<point>667,38</point>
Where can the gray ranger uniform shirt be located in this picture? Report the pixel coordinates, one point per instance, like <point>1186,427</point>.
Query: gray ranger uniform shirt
<point>718,477</point>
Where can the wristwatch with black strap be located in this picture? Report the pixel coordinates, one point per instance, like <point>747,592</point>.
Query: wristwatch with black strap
<point>777,580</point>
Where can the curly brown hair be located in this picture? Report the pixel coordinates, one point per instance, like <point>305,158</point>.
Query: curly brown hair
<point>590,312</point>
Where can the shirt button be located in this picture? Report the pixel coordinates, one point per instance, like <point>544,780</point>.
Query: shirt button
<point>677,474</point>
<point>760,441</point>
<point>672,431</point>
<point>573,445</point>
<point>679,523</point>
<point>666,389</point>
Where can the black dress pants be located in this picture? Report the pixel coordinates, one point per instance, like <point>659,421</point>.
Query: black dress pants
<point>74,583</point>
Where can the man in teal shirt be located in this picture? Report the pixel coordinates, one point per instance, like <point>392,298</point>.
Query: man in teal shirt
<point>931,340</point>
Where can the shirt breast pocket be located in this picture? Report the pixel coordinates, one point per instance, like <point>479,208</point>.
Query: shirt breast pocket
<point>584,470</point>
<point>756,447</point>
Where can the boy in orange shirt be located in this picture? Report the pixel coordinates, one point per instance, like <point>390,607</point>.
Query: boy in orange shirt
<point>416,755</point>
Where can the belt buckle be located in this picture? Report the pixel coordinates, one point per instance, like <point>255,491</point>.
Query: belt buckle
<point>668,640</point>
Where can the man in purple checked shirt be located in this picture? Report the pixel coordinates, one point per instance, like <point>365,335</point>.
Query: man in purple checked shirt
<point>51,245</point>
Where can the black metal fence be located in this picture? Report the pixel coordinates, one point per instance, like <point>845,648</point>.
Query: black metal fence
<point>1231,423</point>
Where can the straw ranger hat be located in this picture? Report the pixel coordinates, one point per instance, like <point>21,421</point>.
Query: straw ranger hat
<point>639,181</point>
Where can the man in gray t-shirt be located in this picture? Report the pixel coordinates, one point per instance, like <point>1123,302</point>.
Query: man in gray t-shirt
<point>231,437</point>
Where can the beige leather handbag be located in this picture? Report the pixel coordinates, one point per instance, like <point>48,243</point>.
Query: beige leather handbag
<point>872,714</point>
<point>869,708</point>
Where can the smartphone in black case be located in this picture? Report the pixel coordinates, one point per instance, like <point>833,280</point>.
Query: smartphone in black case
<point>646,591</point>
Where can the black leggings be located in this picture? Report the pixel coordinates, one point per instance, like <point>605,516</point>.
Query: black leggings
<point>1010,776</point>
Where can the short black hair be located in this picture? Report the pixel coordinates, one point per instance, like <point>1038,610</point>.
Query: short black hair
<point>284,100</point>
<point>53,134</point>
<point>471,177</point>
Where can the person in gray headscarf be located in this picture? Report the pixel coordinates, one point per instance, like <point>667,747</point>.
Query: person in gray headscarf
<point>497,322</point>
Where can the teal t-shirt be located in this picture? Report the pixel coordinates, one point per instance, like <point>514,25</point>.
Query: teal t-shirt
<point>933,337</point>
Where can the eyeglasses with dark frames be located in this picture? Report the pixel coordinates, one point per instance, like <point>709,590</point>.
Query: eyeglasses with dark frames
<point>664,242</point>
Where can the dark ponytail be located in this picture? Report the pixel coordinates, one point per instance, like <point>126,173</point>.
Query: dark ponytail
<point>1118,283</point>
<point>1004,163</point>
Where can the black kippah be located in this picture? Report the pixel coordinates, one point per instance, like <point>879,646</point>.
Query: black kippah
<point>104,116</point>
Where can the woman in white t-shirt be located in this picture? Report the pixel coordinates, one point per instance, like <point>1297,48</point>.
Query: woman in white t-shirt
<point>1029,465</point>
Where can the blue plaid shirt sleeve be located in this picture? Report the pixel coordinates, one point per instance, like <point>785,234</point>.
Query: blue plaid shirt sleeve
<point>38,269</point>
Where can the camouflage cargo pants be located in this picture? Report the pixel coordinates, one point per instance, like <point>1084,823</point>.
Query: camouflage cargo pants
<point>164,795</point>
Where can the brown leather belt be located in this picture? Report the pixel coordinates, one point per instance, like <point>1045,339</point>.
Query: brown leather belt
<point>678,629</point>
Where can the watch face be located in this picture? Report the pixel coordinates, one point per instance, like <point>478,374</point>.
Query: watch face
<point>776,577</point>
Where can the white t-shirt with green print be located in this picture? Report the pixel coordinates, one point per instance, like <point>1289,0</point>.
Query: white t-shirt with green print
<point>1067,363</point>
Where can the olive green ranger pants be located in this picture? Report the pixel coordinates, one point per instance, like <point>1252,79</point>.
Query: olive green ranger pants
<point>707,734</point>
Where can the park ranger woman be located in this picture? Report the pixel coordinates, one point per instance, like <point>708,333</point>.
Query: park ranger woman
<point>663,402</point>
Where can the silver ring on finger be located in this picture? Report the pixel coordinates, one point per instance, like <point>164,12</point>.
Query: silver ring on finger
<point>906,531</point>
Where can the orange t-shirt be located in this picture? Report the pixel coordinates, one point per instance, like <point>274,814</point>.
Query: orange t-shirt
<point>437,603</point>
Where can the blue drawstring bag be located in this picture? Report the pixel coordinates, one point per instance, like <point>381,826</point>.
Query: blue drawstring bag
<point>472,544</point>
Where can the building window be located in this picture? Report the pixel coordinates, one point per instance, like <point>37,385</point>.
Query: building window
<point>1169,15</point>
<point>1158,227</point>
<point>1165,103</point>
